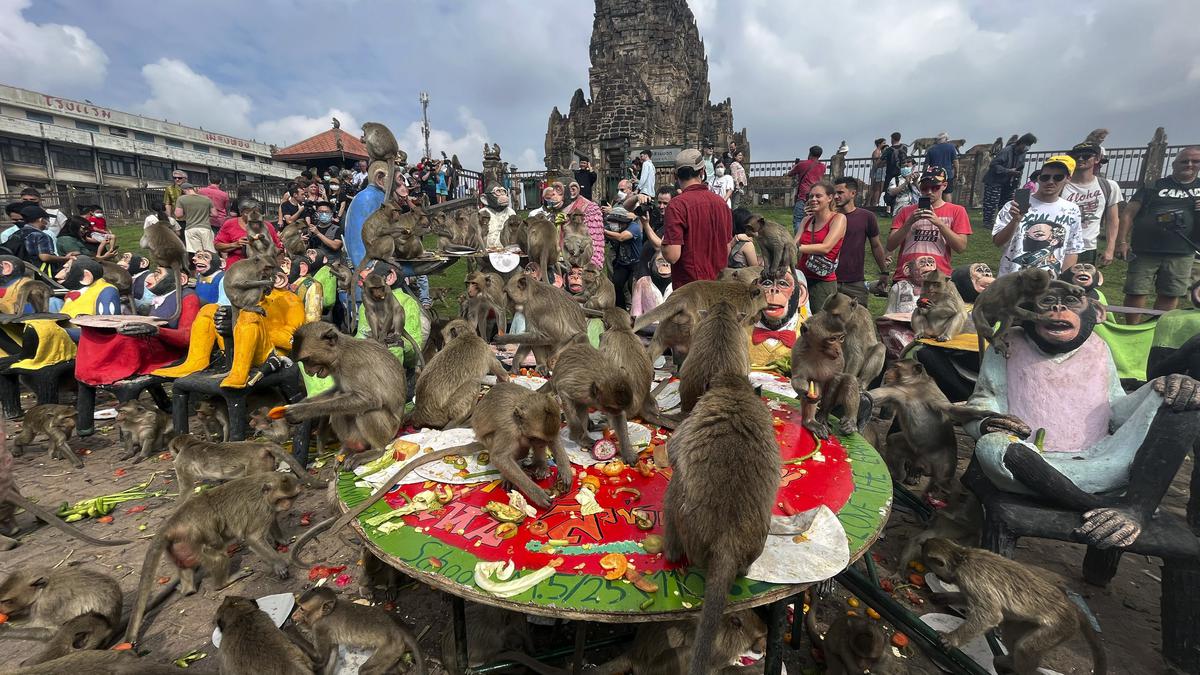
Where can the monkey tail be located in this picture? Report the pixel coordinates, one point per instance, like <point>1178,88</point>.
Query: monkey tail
<point>415,648</point>
<point>56,522</point>
<point>721,573</point>
<point>1095,644</point>
<point>294,464</point>
<point>618,666</point>
<point>178,272</point>
<point>336,523</point>
<point>656,315</point>
<point>149,567</point>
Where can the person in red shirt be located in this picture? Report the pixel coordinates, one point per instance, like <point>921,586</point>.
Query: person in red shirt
<point>937,231</point>
<point>220,200</point>
<point>697,226</point>
<point>231,239</point>
<point>808,173</point>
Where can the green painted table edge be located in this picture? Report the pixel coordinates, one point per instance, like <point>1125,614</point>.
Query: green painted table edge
<point>591,598</point>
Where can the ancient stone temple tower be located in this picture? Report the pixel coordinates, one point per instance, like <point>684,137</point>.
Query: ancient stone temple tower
<point>649,87</point>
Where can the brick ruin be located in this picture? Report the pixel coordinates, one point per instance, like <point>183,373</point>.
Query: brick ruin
<point>649,87</point>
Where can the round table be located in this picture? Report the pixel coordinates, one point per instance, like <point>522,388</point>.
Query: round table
<point>585,595</point>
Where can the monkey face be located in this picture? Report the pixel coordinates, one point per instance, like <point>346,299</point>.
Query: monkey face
<point>281,491</point>
<point>833,345</point>
<point>941,557</point>
<point>457,328</point>
<point>18,592</point>
<point>1084,275</point>
<point>1060,309</point>
<point>316,346</point>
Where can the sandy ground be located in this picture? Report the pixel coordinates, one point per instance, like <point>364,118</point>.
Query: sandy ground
<point>1129,607</point>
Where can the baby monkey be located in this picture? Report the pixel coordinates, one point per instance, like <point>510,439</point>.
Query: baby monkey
<point>55,422</point>
<point>1037,615</point>
<point>385,315</point>
<point>334,621</point>
<point>142,429</point>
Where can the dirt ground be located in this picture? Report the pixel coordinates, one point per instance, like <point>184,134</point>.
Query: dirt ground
<point>1128,609</point>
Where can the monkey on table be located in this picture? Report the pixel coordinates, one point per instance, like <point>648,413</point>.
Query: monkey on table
<point>1036,614</point>
<point>818,379</point>
<point>720,345</point>
<point>729,433</point>
<point>510,423</point>
<point>585,378</point>
<point>338,622</point>
<point>485,297</point>
<point>552,319</point>
<point>200,530</point>
<point>449,385</point>
<point>1098,440</point>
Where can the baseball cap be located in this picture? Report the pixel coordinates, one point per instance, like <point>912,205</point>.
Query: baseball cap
<point>33,212</point>
<point>690,158</point>
<point>1067,161</point>
<point>1086,146</point>
<point>933,174</point>
<point>187,186</point>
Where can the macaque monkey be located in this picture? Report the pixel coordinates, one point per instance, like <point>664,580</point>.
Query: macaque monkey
<point>258,238</point>
<point>852,645</point>
<point>1000,303</point>
<point>116,275</point>
<point>214,419</point>
<point>673,333</point>
<point>84,632</point>
<point>666,648</point>
<point>167,250</point>
<point>198,460</point>
<point>10,499</point>
<point>55,422</point>
<point>940,312</point>
<point>1037,614</point>
<point>386,316</point>
<point>485,294</point>
<point>817,376</point>
<point>721,345</point>
<point>778,248</point>
<point>863,352</point>
<point>598,288</point>
<point>385,232</point>
<point>335,622</point>
<point>98,662</point>
<point>200,530</point>
<point>583,379</point>
<point>449,385</point>
<point>143,429</point>
<point>960,521</point>
<point>747,275</point>
<point>729,433</point>
<point>35,294</point>
<point>578,247</point>
<point>275,430</point>
<point>408,240</point>
<point>552,319</point>
<point>619,344</point>
<point>252,643</point>
<point>383,150</point>
<point>538,239</point>
<point>292,236</point>
<point>366,404</point>
<point>248,281</point>
<point>50,598</point>
<point>510,423</point>
<point>925,443</point>
<point>697,297</point>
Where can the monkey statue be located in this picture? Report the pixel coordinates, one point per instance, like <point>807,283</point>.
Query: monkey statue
<point>778,323</point>
<point>497,210</point>
<point>1106,454</point>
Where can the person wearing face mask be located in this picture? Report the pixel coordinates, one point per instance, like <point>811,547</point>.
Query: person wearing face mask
<point>722,185</point>
<point>325,234</point>
<point>338,199</point>
<point>903,188</point>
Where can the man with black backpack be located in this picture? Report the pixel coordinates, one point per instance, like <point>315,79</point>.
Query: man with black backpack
<point>1097,198</point>
<point>32,244</point>
<point>892,158</point>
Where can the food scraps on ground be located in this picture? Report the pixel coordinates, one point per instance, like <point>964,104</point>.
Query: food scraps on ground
<point>503,512</point>
<point>653,543</point>
<point>899,640</point>
<point>616,564</point>
<point>324,572</point>
<point>122,647</point>
<point>189,658</point>
<point>643,520</point>
<point>497,578</point>
<point>613,468</point>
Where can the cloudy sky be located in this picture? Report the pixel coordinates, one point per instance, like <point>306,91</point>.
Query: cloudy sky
<point>798,72</point>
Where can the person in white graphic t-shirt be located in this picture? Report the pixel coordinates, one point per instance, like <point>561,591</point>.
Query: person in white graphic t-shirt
<point>1097,198</point>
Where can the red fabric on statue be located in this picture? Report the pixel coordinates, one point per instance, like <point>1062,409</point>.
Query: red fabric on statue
<point>760,335</point>
<point>106,356</point>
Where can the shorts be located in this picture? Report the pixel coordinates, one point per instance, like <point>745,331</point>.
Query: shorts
<point>877,175</point>
<point>856,290</point>
<point>199,239</point>
<point>1168,275</point>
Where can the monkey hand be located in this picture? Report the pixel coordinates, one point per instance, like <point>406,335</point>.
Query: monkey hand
<point>818,429</point>
<point>1179,392</point>
<point>138,329</point>
<point>950,640</point>
<point>564,480</point>
<point>280,567</point>
<point>1109,527</point>
<point>1005,423</point>
<point>848,425</point>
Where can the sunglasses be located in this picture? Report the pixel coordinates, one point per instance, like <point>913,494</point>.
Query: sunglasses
<point>1085,155</point>
<point>1056,177</point>
<point>178,177</point>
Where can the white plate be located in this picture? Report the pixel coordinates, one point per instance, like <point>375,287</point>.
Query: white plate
<point>977,649</point>
<point>824,554</point>
<point>668,398</point>
<point>772,383</point>
<point>105,414</point>
<point>639,436</point>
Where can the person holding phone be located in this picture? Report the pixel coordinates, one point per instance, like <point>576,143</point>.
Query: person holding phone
<point>932,227</point>
<point>1041,229</point>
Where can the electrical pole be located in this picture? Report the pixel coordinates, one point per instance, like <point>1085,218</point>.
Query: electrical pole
<point>425,118</point>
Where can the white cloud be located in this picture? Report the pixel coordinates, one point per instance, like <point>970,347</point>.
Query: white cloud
<point>180,94</point>
<point>293,128</point>
<point>468,145</point>
<point>529,160</point>
<point>47,56</point>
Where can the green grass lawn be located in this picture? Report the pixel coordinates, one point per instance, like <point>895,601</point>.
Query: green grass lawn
<point>979,249</point>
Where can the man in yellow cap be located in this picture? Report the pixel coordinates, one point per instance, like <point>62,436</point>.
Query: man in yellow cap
<point>1044,232</point>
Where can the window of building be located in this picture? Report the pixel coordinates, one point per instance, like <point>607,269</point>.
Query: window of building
<point>199,148</point>
<point>249,158</point>
<point>20,151</point>
<point>73,159</point>
<point>143,136</point>
<point>264,160</point>
<point>224,153</point>
<point>118,165</point>
<point>153,169</point>
<point>228,178</point>
<point>174,143</point>
<point>197,178</point>
<point>249,178</point>
<point>118,131</point>
<point>87,126</point>
<point>39,117</point>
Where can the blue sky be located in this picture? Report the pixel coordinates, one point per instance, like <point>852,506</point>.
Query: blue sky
<point>798,72</point>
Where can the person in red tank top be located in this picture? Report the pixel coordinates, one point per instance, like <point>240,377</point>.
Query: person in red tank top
<point>819,241</point>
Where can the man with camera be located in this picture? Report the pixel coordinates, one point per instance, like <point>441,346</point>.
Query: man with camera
<point>1160,259</point>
